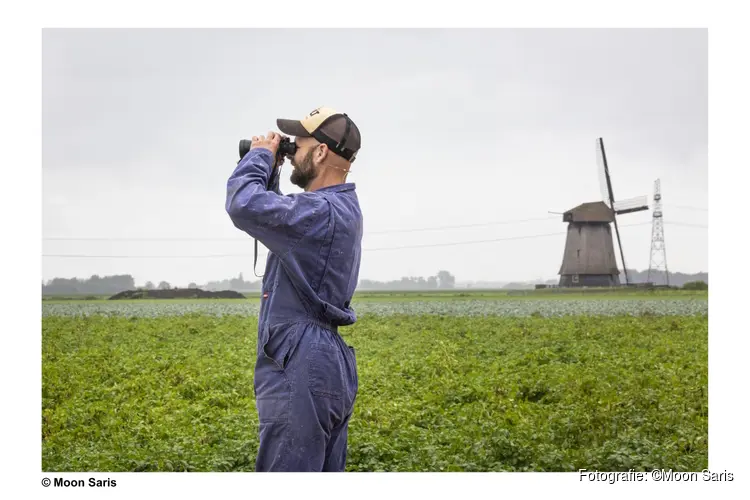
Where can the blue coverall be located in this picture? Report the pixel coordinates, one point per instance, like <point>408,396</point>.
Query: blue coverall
<point>305,374</point>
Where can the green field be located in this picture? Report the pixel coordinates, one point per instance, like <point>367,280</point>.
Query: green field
<point>477,384</point>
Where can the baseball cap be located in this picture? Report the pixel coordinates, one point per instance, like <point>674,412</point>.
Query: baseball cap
<point>327,126</point>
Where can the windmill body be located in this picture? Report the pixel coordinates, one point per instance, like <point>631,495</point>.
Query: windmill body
<point>589,258</point>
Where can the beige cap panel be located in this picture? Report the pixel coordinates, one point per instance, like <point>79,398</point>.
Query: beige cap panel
<point>317,116</point>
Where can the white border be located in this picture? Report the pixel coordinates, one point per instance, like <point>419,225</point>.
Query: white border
<point>21,41</point>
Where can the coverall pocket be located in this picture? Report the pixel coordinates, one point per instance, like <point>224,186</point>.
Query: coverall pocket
<point>280,343</point>
<point>353,368</point>
<point>325,375</point>
<point>273,409</point>
<point>273,392</point>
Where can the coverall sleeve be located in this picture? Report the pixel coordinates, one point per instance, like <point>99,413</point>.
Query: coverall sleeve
<point>274,183</point>
<point>277,221</point>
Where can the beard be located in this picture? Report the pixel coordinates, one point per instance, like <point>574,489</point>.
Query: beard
<point>304,173</point>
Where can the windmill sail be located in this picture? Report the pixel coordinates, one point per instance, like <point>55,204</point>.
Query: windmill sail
<point>603,173</point>
<point>602,156</point>
<point>631,205</point>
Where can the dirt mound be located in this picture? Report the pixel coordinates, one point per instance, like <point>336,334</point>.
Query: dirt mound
<point>177,293</point>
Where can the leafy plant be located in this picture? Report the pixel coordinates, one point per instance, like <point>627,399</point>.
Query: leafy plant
<point>552,392</point>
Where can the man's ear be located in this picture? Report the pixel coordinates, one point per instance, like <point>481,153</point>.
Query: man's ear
<point>321,153</point>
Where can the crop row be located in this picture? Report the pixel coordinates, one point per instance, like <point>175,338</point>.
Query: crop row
<point>512,307</point>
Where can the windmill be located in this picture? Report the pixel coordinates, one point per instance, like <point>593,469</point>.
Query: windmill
<point>589,257</point>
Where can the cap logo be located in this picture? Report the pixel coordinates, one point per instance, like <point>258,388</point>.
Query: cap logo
<point>314,112</point>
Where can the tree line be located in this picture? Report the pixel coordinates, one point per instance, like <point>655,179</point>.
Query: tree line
<point>659,277</point>
<point>96,285</point>
<point>110,285</point>
<point>441,281</point>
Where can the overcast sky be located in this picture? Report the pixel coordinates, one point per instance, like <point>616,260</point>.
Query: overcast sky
<point>459,127</point>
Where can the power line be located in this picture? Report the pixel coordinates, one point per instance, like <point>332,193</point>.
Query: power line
<point>481,241</point>
<point>686,224</point>
<point>431,245</point>
<point>483,224</point>
<point>80,256</point>
<point>438,228</point>
<point>700,209</point>
<point>390,231</point>
<point>144,239</point>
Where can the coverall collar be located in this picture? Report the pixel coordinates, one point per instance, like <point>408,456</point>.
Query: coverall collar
<point>337,188</point>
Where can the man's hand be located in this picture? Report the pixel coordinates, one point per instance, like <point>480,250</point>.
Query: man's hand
<point>270,143</point>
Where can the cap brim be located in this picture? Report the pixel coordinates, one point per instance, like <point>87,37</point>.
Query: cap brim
<point>292,127</point>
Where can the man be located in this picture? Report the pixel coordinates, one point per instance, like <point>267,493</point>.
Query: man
<point>305,374</point>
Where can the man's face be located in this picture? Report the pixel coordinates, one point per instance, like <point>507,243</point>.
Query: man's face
<point>305,170</point>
